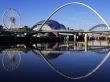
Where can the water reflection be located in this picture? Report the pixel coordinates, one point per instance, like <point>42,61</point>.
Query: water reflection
<point>72,77</point>
<point>11,59</point>
<point>11,55</point>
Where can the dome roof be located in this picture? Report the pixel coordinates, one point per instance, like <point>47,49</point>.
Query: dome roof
<point>52,23</point>
<point>62,26</point>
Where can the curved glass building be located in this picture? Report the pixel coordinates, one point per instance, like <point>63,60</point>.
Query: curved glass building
<point>50,25</point>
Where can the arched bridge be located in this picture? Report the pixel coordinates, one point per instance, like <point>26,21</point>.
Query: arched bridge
<point>99,27</point>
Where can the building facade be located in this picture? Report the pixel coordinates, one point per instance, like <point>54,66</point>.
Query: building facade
<point>49,25</point>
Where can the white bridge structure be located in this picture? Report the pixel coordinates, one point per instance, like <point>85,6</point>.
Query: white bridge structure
<point>105,25</point>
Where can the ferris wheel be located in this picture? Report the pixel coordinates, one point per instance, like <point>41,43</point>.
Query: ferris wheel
<point>11,19</point>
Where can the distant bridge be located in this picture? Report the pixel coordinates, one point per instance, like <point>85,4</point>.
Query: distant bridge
<point>100,27</point>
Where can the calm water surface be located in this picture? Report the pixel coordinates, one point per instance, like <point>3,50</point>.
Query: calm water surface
<point>55,62</point>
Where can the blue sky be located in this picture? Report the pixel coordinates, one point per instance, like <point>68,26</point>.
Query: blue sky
<point>74,16</point>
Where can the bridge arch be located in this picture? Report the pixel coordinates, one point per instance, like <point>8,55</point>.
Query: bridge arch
<point>72,77</point>
<point>99,26</point>
<point>71,3</point>
<point>99,65</point>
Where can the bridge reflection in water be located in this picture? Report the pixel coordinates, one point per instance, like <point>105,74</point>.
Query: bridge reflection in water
<point>61,57</point>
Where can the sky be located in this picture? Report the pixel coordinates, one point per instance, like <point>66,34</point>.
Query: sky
<point>74,16</point>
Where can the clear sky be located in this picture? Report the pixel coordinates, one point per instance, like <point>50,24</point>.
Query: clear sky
<point>74,16</point>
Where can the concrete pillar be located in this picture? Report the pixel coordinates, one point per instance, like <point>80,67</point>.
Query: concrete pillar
<point>100,42</point>
<point>85,42</point>
<point>108,42</point>
<point>74,38</point>
<point>85,37</point>
<point>98,38</point>
<point>64,39</point>
<point>75,41</point>
<point>67,38</point>
<point>106,37</point>
<point>92,42</point>
<point>93,39</point>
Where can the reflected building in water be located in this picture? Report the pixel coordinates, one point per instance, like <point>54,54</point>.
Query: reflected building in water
<point>11,54</point>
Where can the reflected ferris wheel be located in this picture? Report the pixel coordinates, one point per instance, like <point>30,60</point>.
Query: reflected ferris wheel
<point>11,19</point>
<point>11,59</point>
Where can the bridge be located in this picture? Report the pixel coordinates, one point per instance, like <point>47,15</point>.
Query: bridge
<point>12,22</point>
